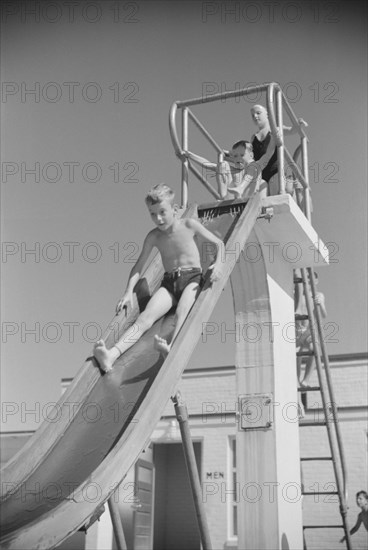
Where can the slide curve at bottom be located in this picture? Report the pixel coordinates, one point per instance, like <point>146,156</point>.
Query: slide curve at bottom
<point>71,466</point>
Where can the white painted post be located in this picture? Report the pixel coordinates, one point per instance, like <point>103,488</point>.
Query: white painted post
<point>268,456</point>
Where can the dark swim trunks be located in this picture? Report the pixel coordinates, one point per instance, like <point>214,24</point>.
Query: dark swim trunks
<point>177,280</point>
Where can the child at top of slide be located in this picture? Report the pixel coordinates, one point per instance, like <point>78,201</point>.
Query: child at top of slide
<point>261,142</point>
<point>239,174</point>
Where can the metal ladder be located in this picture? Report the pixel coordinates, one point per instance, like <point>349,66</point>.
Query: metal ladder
<point>330,414</point>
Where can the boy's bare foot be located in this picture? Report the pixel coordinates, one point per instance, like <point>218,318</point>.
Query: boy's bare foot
<point>161,345</point>
<point>305,384</point>
<point>104,356</point>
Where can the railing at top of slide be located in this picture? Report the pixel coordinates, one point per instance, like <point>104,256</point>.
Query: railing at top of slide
<point>276,104</point>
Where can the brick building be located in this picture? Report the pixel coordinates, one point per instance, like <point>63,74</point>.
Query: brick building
<point>155,499</point>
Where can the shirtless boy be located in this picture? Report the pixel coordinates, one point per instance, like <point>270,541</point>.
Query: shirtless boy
<point>175,240</point>
<point>243,178</point>
<point>238,174</point>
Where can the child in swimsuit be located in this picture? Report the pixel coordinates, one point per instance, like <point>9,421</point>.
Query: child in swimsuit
<point>303,333</point>
<point>261,142</point>
<point>175,240</point>
<point>362,519</point>
<point>239,174</point>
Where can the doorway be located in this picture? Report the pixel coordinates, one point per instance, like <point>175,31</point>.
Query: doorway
<point>175,522</point>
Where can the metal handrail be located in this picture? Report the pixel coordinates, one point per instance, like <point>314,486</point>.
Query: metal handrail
<point>204,131</point>
<point>326,365</point>
<point>273,90</point>
<point>331,394</point>
<point>319,345</point>
<point>209,187</point>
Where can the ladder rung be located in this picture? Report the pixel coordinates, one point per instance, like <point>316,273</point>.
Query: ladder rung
<point>315,458</point>
<point>301,317</point>
<point>304,353</point>
<point>308,494</point>
<point>309,388</point>
<point>323,527</point>
<point>311,423</point>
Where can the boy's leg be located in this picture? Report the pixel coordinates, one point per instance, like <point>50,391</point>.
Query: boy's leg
<point>262,189</point>
<point>273,185</point>
<point>309,368</point>
<point>224,178</point>
<point>299,362</point>
<point>299,367</point>
<point>309,365</point>
<point>185,303</point>
<point>160,303</point>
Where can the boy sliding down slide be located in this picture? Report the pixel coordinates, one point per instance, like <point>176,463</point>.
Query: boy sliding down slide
<point>182,281</point>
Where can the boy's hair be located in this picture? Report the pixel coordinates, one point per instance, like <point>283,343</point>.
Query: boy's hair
<point>363,493</point>
<point>158,193</point>
<point>243,143</point>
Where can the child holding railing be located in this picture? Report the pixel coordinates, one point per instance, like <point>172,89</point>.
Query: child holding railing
<point>238,175</point>
<point>303,333</point>
<point>261,142</point>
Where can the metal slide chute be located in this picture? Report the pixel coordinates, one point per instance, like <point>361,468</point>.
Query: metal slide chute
<point>107,420</point>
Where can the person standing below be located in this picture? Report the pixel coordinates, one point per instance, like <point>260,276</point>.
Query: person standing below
<point>362,519</point>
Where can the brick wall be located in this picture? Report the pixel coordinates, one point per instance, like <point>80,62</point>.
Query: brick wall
<point>211,399</point>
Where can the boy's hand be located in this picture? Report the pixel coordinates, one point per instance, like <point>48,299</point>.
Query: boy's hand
<point>215,272</point>
<point>278,139</point>
<point>125,303</point>
<point>302,122</point>
<point>320,298</point>
<point>223,167</point>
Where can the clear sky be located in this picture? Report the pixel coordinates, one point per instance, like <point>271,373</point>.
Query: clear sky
<point>80,152</point>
